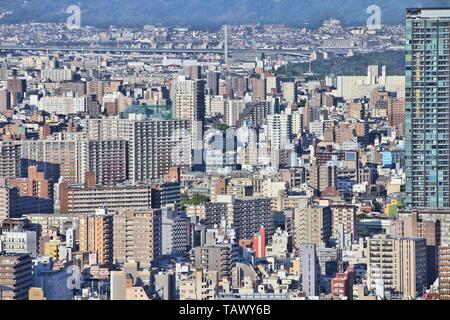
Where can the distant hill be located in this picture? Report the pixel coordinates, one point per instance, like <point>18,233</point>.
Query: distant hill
<point>355,65</point>
<point>209,13</point>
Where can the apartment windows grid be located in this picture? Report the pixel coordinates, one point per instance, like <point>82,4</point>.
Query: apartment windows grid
<point>427,108</point>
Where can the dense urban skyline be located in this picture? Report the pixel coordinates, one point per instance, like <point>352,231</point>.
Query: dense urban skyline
<point>253,162</point>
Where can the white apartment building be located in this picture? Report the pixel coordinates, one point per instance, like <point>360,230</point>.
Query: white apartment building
<point>354,87</point>
<point>57,75</point>
<point>63,105</point>
<point>280,130</point>
<point>154,146</point>
<point>19,242</point>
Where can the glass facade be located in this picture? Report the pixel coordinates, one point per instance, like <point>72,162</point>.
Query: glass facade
<point>427,108</point>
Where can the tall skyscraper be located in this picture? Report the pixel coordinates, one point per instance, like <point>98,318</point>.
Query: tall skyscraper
<point>188,99</point>
<point>427,109</point>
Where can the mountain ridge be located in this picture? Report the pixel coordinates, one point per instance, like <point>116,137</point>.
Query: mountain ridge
<point>213,13</point>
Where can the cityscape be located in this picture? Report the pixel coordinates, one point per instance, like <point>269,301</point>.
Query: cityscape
<point>246,162</point>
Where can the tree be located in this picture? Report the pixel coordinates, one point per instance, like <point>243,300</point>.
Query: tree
<point>197,199</point>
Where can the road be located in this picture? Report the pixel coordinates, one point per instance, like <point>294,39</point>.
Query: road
<point>289,52</point>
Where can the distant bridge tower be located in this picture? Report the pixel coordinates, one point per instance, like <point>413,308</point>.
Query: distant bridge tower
<point>226,45</point>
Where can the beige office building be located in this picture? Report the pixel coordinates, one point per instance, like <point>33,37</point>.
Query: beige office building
<point>312,225</point>
<point>95,236</point>
<point>289,92</point>
<point>77,199</point>
<point>137,236</point>
<point>343,215</point>
<point>397,263</point>
<point>322,176</point>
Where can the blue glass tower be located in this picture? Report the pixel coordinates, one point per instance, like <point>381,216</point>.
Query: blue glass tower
<point>427,108</point>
